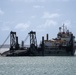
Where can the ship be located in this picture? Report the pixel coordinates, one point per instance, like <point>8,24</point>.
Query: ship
<point>62,45</point>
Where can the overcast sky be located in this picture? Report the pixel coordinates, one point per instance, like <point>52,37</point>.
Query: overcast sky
<point>42,16</point>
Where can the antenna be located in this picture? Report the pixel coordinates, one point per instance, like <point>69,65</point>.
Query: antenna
<point>63,28</point>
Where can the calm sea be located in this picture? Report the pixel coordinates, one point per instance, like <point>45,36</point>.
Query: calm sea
<point>47,65</point>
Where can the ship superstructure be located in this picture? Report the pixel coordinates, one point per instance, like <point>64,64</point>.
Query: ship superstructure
<point>63,44</point>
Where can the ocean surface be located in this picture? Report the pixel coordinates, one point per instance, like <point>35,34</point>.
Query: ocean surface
<point>47,65</point>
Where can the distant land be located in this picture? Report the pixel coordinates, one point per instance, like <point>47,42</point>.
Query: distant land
<point>5,46</point>
<point>8,46</point>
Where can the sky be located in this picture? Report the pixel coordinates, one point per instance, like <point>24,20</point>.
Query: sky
<point>42,16</point>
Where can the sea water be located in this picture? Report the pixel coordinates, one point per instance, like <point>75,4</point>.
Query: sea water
<point>47,65</point>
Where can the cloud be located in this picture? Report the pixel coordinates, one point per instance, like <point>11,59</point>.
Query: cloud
<point>47,24</point>
<point>37,6</point>
<point>63,0</point>
<point>59,0</point>
<point>19,11</point>
<point>1,12</point>
<point>5,28</point>
<point>6,25</point>
<point>22,26</point>
<point>0,21</point>
<point>50,23</point>
<point>48,15</point>
<point>28,1</point>
<point>33,17</point>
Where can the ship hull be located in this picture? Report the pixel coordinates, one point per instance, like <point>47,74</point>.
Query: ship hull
<point>40,52</point>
